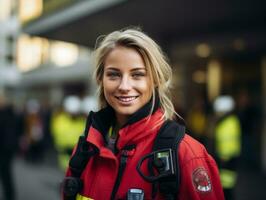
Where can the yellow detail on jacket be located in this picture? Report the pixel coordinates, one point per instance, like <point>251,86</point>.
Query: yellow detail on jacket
<point>79,197</point>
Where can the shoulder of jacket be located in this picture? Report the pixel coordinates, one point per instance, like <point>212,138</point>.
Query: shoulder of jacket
<point>190,149</point>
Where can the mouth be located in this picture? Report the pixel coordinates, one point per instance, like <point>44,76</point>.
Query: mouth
<point>126,99</point>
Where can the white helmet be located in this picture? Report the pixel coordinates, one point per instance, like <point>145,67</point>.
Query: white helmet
<point>89,103</point>
<point>72,104</point>
<point>224,104</point>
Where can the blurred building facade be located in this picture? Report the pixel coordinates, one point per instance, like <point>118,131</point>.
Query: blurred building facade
<point>215,47</point>
<point>36,67</point>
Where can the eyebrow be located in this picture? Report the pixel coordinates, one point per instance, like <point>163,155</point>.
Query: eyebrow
<point>111,68</point>
<point>134,69</point>
<point>139,68</point>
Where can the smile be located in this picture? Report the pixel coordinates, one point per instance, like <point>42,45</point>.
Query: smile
<point>127,99</point>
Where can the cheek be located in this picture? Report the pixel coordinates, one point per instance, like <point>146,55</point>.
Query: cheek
<point>108,88</point>
<point>147,87</point>
<point>105,88</point>
<point>107,95</point>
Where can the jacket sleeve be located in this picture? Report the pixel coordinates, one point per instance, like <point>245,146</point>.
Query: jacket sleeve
<point>199,179</point>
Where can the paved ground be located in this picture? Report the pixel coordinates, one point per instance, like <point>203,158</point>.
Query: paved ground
<point>251,185</point>
<point>36,181</point>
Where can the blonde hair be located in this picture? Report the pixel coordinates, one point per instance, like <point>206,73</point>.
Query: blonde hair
<point>155,61</point>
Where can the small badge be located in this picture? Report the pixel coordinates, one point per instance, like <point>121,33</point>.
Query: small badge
<point>201,180</point>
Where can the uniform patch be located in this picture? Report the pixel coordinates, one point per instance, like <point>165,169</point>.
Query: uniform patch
<point>201,180</point>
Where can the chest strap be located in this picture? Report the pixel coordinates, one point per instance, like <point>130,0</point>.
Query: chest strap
<point>125,153</point>
<point>72,185</point>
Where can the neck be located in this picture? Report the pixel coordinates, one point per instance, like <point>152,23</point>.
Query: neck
<point>120,121</point>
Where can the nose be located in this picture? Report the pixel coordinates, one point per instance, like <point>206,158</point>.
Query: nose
<point>125,84</point>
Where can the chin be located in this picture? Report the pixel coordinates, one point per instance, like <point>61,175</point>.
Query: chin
<point>126,111</point>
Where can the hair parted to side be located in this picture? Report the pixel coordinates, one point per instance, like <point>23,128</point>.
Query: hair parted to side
<point>155,62</point>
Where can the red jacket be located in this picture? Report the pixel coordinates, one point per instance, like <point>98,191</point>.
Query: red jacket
<point>198,171</point>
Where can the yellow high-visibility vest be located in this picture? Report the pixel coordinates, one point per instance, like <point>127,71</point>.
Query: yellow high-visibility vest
<point>197,122</point>
<point>228,138</point>
<point>228,178</point>
<point>66,131</point>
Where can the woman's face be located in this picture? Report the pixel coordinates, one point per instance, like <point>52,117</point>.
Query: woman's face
<point>126,83</point>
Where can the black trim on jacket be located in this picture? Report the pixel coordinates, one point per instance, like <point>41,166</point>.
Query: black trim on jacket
<point>104,118</point>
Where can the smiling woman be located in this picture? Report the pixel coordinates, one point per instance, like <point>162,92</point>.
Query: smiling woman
<point>126,84</point>
<point>135,113</point>
<point>147,54</point>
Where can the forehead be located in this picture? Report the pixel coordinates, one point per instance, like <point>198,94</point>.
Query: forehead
<point>124,56</point>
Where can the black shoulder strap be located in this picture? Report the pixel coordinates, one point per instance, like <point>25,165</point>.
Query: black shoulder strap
<point>169,137</point>
<point>84,151</point>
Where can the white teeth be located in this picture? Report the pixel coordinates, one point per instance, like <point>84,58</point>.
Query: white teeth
<point>126,99</point>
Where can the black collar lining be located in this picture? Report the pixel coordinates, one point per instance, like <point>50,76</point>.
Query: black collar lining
<point>103,119</point>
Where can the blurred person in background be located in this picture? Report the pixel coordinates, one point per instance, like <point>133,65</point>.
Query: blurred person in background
<point>88,104</point>
<point>46,114</point>
<point>34,132</point>
<point>8,147</point>
<point>227,134</point>
<point>249,117</point>
<point>197,120</point>
<point>135,110</point>
<point>67,125</point>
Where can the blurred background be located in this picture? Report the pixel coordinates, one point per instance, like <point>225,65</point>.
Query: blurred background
<point>217,50</point>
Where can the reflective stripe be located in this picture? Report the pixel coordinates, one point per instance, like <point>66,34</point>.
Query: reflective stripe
<point>228,178</point>
<point>79,197</point>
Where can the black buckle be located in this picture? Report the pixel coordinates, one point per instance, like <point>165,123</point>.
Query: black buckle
<point>71,186</point>
<point>162,161</point>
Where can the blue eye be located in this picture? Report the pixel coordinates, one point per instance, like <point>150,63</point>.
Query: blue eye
<point>113,75</point>
<point>138,74</point>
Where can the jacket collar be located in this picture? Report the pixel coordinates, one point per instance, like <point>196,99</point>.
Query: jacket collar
<point>143,112</point>
<point>98,124</point>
